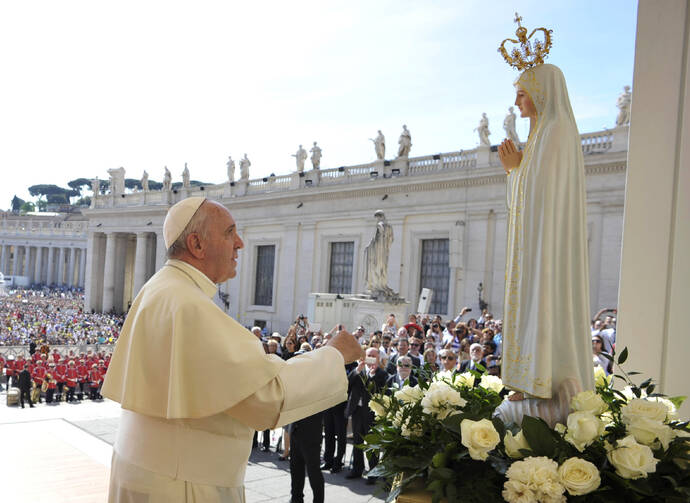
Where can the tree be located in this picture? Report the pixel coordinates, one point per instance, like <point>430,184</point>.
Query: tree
<point>17,203</point>
<point>27,206</point>
<point>79,183</point>
<point>132,183</point>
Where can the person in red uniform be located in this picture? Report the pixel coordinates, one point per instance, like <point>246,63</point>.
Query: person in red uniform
<point>83,374</point>
<point>2,366</point>
<point>52,384</point>
<point>60,371</point>
<point>56,356</point>
<point>71,378</point>
<point>38,375</point>
<point>95,380</point>
<point>9,372</point>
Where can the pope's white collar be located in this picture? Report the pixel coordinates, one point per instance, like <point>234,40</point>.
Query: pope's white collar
<point>202,281</point>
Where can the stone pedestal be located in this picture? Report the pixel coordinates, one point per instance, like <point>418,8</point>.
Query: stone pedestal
<point>483,156</point>
<point>619,142</point>
<point>398,167</point>
<point>330,309</point>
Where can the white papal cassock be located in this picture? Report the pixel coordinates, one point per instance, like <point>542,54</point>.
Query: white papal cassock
<point>194,385</point>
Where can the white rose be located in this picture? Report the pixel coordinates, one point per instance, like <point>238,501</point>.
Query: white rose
<point>515,491</point>
<point>583,429</point>
<point>379,405</point>
<point>588,401</point>
<point>479,437</point>
<point>672,410</point>
<point>646,431</point>
<point>540,475</point>
<point>600,377</point>
<point>444,375</point>
<point>640,407</point>
<point>465,379</point>
<point>579,476</point>
<point>440,399</point>
<point>409,394</point>
<point>513,444</point>
<point>493,383</point>
<point>632,460</point>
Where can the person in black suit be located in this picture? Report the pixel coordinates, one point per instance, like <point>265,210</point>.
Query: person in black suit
<point>404,372</point>
<point>335,431</point>
<point>403,349</point>
<point>305,449</point>
<point>367,374</point>
<point>476,357</point>
<point>25,386</point>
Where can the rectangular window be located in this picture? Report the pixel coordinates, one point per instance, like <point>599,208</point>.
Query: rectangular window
<point>435,273</point>
<point>265,263</point>
<point>342,256</point>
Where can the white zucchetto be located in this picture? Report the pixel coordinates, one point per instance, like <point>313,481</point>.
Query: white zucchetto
<point>178,217</point>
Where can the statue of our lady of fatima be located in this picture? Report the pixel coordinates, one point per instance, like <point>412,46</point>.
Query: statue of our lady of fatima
<point>547,354</point>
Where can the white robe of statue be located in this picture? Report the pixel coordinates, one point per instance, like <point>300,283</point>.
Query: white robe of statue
<point>547,351</point>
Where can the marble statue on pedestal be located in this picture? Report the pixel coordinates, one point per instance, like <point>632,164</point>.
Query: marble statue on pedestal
<point>405,142</point>
<point>145,182</point>
<point>300,156</point>
<point>623,103</point>
<point>231,169</point>
<point>185,177</point>
<point>316,156</point>
<point>117,180</point>
<point>167,180</point>
<point>95,186</point>
<point>376,260</point>
<point>509,126</point>
<point>379,145</point>
<point>483,130</point>
<point>244,168</point>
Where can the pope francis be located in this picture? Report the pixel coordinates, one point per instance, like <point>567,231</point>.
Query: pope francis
<point>193,383</point>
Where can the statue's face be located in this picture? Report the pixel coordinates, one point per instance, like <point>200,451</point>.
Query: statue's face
<point>525,104</point>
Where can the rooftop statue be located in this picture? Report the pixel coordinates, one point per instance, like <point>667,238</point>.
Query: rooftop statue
<point>300,156</point>
<point>623,103</point>
<point>316,156</point>
<point>379,145</point>
<point>509,126</point>
<point>405,142</point>
<point>167,179</point>
<point>244,168</point>
<point>185,177</point>
<point>483,130</point>
<point>231,169</point>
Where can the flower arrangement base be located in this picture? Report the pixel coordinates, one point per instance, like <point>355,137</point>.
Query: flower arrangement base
<point>416,496</point>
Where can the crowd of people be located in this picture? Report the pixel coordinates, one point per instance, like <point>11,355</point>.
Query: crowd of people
<point>53,316</point>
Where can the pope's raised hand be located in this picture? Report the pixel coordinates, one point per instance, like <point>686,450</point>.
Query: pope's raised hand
<point>347,344</point>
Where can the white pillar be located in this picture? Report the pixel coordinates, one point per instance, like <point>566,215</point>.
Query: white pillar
<point>82,267</point>
<point>160,251</point>
<point>109,273</point>
<point>70,267</point>
<point>37,266</point>
<point>61,267</point>
<point>655,277</point>
<point>51,266</point>
<point>5,259</point>
<point>19,261</point>
<point>140,262</point>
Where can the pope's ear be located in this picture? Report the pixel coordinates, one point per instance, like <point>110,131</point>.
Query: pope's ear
<point>195,246</point>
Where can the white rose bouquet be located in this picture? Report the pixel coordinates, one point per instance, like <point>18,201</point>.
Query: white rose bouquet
<point>618,445</point>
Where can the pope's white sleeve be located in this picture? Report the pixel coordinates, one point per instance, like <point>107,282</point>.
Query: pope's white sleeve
<point>307,384</point>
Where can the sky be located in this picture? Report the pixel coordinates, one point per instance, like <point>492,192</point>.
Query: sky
<point>88,86</point>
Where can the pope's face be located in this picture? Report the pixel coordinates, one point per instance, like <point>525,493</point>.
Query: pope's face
<point>524,103</point>
<point>222,244</point>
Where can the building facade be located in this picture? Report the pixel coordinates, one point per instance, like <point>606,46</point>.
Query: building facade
<point>43,250</point>
<point>306,232</point>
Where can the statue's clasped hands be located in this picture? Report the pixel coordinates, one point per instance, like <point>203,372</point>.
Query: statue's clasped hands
<point>509,155</point>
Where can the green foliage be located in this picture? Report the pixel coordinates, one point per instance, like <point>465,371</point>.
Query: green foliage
<point>79,183</point>
<point>27,206</point>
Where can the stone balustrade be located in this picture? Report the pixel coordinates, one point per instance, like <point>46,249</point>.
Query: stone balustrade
<point>20,227</point>
<point>63,349</point>
<point>597,142</point>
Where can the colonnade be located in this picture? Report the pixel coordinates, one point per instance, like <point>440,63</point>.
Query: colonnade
<point>45,264</point>
<point>119,265</point>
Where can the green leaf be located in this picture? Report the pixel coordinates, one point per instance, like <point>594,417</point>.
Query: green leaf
<point>677,400</point>
<point>634,373</point>
<point>538,436</point>
<point>623,356</point>
<point>650,389</point>
<point>607,356</point>
<point>500,427</point>
<point>646,383</point>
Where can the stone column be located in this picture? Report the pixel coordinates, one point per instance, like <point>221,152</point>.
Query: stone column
<point>19,253</point>
<point>82,267</point>
<point>140,262</point>
<point>61,267</point>
<point>37,265</point>
<point>70,267</point>
<point>160,250</point>
<point>51,266</point>
<point>4,259</point>
<point>109,273</point>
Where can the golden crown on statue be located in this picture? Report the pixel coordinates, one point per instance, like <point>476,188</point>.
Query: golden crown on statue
<point>529,53</point>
